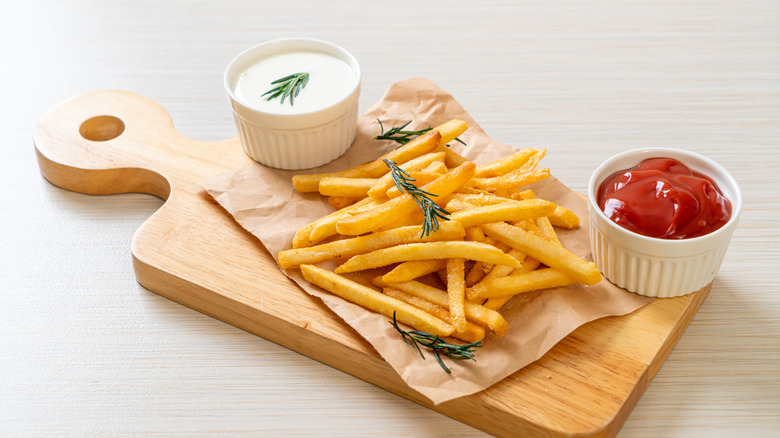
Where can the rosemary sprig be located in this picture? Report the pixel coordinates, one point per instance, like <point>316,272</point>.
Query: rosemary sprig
<point>288,86</point>
<point>416,338</point>
<point>431,211</point>
<point>401,136</point>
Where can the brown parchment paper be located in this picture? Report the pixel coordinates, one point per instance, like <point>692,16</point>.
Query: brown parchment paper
<point>263,201</point>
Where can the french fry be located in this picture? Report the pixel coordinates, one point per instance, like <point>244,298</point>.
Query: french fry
<point>374,300</point>
<point>510,181</point>
<point>547,252</point>
<point>529,264</point>
<point>474,312</point>
<point>451,158</point>
<point>379,189</point>
<point>427,251</point>
<point>387,212</point>
<point>373,169</point>
<point>525,194</point>
<point>451,130</point>
<point>456,290</point>
<point>564,218</point>
<point>347,187</point>
<point>325,227</point>
<point>414,218</point>
<point>546,229</point>
<point>307,235</point>
<point>530,226</point>
<point>561,217</point>
<point>514,284</point>
<point>477,199</point>
<point>479,269</point>
<point>475,234</point>
<point>506,211</point>
<point>472,191</point>
<point>505,165</point>
<point>414,269</point>
<point>471,333</point>
<point>340,202</point>
<point>502,270</point>
<point>436,167</point>
<point>291,258</point>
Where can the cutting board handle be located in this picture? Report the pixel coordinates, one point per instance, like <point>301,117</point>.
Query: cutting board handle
<point>111,141</point>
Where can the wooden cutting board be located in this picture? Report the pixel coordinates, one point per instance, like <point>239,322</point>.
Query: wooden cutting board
<point>191,251</point>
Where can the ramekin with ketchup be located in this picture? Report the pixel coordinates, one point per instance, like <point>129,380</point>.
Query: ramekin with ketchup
<point>661,220</point>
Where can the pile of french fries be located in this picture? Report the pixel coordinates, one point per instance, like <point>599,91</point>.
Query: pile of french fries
<point>499,239</point>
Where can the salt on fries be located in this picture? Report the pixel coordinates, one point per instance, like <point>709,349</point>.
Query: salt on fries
<point>495,239</point>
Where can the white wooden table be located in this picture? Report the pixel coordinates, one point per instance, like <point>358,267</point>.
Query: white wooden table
<point>87,351</point>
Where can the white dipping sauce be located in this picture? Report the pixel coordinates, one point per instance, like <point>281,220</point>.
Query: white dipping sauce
<point>330,80</point>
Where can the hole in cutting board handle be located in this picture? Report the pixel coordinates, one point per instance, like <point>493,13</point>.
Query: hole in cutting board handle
<point>102,128</point>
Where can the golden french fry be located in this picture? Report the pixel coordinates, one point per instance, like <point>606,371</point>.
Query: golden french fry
<point>471,333</point>
<point>510,181</point>
<point>479,269</point>
<point>506,211</point>
<point>347,187</point>
<point>373,169</point>
<point>339,202</point>
<point>475,234</point>
<point>363,244</point>
<point>427,251</point>
<point>529,225</point>
<point>472,191</point>
<point>502,270</point>
<point>547,252</point>
<point>564,218</point>
<point>544,227</point>
<point>456,289</point>
<point>374,300</point>
<point>436,167</point>
<point>474,312</point>
<point>451,158</point>
<point>387,212</point>
<point>379,189</point>
<point>561,217</point>
<point>303,237</point>
<point>529,264</point>
<point>547,230</point>
<point>451,130</point>
<point>477,199</point>
<point>325,226</point>
<point>413,218</point>
<point>525,194</point>
<point>505,165</point>
<point>414,269</point>
<point>514,284</point>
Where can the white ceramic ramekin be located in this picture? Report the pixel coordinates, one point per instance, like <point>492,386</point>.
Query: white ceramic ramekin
<point>294,141</point>
<point>659,267</point>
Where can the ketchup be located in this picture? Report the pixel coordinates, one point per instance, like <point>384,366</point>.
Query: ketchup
<point>664,198</point>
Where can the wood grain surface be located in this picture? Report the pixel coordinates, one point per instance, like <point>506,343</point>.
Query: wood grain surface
<point>87,351</point>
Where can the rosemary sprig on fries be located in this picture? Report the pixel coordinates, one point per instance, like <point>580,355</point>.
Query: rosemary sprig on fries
<point>431,211</point>
<point>401,136</point>
<point>415,338</point>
